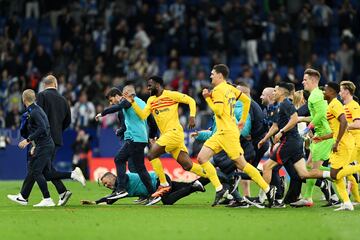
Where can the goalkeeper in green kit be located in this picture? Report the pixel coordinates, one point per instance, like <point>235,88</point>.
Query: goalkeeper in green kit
<point>318,122</point>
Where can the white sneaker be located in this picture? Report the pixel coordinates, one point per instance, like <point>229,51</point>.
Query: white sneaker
<point>345,206</point>
<point>18,198</point>
<point>302,203</point>
<point>64,198</point>
<point>46,202</point>
<point>78,176</point>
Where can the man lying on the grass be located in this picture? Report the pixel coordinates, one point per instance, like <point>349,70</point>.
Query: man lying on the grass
<point>136,188</point>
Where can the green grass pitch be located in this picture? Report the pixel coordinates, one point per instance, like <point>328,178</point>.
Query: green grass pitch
<point>190,218</point>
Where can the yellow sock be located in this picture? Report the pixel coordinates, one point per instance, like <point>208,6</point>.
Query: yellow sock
<point>198,170</point>
<point>341,189</point>
<point>255,176</point>
<point>354,188</point>
<point>211,175</point>
<point>348,170</point>
<point>159,170</point>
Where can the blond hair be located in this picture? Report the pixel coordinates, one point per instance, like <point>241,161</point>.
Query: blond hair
<point>348,85</point>
<point>29,96</point>
<point>299,99</point>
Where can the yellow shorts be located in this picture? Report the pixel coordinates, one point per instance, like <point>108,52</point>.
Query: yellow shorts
<point>173,141</point>
<point>343,156</point>
<point>227,141</point>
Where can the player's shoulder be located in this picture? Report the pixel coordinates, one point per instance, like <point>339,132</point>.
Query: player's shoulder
<point>335,105</point>
<point>151,99</point>
<point>316,95</point>
<point>354,105</point>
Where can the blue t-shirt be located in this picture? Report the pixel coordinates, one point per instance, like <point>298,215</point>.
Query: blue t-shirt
<point>136,128</point>
<point>135,186</point>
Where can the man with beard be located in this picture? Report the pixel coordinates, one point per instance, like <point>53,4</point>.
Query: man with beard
<point>163,105</point>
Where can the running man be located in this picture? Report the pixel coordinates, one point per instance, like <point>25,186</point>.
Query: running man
<point>135,140</point>
<point>221,101</point>
<point>344,142</point>
<point>352,113</point>
<point>163,105</point>
<point>284,129</point>
<point>320,151</point>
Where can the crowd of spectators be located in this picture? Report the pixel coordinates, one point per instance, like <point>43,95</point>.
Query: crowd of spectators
<point>92,45</point>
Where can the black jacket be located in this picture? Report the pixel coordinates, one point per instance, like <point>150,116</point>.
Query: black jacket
<point>58,112</point>
<point>36,126</point>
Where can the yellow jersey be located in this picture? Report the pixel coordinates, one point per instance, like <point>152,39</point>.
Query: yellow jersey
<point>165,109</point>
<point>352,111</point>
<point>335,109</point>
<point>222,102</point>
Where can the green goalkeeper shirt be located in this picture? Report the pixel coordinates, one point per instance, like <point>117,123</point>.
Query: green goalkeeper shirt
<point>318,108</point>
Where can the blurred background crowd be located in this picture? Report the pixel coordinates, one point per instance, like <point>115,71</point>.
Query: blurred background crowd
<point>92,45</point>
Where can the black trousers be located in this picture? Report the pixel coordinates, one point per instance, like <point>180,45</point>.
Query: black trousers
<point>178,190</point>
<point>135,152</point>
<point>294,189</point>
<point>42,161</point>
<point>38,167</point>
<point>56,176</point>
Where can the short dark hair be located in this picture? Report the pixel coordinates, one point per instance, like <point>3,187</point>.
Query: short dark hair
<point>113,92</point>
<point>334,86</point>
<point>313,73</point>
<point>285,86</point>
<point>350,86</point>
<point>129,82</point>
<point>157,79</point>
<point>291,86</point>
<point>223,69</point>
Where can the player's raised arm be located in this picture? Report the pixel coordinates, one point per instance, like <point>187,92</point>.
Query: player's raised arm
<point>142,113</point>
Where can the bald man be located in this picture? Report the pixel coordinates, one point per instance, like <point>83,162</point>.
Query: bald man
<point>37,132</point>
<point>58,112</point>
<point>35,128</point>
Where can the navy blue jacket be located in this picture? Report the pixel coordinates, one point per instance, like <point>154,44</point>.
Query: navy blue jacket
<point>35,126</point>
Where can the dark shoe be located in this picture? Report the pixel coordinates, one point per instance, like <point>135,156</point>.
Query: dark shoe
<point>225,201</point>
<point>238,204</point>
<point>219,195</point>
<point>278,203</point>
<point>198,187</point>
<point>140,200</point>
<point>118,195</point>
<point>332,203</point>
<point>271,195</point>
<point>326,190</point>
<point>152,201</point>
<point>234,184</point>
